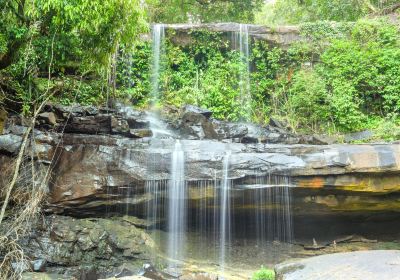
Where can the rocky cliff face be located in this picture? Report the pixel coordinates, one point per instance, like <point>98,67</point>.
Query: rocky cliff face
<point>99,156</point>
<point>282,36</point>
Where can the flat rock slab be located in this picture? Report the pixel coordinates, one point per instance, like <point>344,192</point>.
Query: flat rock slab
<point>361,265</point>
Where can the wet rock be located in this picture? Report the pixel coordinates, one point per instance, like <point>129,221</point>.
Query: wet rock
<point>119,126</point>
<point>135,123</point>
<point>196,110</point>
<point>196,126</point>
<point>140,133</point>
<point>227,130</point>
<point>85,243</point>
<point>248,140</point>
<point>353,265</point>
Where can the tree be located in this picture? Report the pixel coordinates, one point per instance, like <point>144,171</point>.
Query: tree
<point>179,11</point>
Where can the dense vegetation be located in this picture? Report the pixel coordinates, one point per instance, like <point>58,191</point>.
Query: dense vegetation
<point>343,77</point>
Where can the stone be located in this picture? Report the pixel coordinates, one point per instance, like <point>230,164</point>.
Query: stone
<point>85,244</point>
<point>364,135</point>
<point>282,36</point>
<point>274,122</point>
<point>140,133</point>
<point>119,126</point>
<point>135,123</point>
<point>323,140</point>
<point>45,276</point>
<point>352,265</point>
<point>10,143</point>
<point>39,265</point>
<point>48,118</point>
<point>21,266</point>
<point>90,125</point>
<point>226,130</point>
<point>196,126</point>
<point>196,110</point>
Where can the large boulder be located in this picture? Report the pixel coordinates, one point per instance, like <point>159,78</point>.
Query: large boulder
<point>96,246</point>
<point>361,265</point>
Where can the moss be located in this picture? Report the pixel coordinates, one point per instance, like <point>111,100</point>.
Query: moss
<point>3,118</point>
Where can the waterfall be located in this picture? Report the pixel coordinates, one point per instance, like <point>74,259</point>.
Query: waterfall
<point>225,214</point>
<point>242,44</point>
<point>273,215</point>
<point>177,205</point>
<point>158,34</point>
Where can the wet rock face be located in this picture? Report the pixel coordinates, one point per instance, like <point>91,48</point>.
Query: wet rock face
<point>110,154</point>
<point>97,245</point>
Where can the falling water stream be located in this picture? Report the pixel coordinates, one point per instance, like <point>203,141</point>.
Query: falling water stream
<point>225,218</point>
<point>241,43</point>
<point>177,195</point>
<point>158,34</point>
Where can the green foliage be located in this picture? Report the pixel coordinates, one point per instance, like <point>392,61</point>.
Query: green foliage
<point>357,78</point>
<point>264,274</point>
<point>204,73</point>
<point>64,41</point>
<point>176,11</point>
<point>295,11</point>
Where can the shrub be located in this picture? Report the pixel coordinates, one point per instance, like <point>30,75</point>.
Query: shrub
<point>264,274</point>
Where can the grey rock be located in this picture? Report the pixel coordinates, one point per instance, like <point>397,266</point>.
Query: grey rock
<point>48,118</point>
<point>39,265</point>
<point>90,125</point>
<point>359,136</point>
<point>197,110</point>
<point>227,130</point>
<point>119,126</point>
<point>366,265</point>
<point>10,143</point>
<point>140,133</point>
<point>323,140</point>
<point>274,122</point>
<point>282,36</point>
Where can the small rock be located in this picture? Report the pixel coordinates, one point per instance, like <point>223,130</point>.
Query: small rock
<point>323,140</point>
<point>48,118</point>
<point>39,265</point>
<point>196,110</point>
<point>359,136</point>
<point>140,133</point>
<point>119,126</point>
<point>276,123</point>
<point>248,140</point>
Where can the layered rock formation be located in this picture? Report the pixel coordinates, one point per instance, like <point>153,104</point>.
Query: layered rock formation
<point>281,36</point>
<point>98,154</point>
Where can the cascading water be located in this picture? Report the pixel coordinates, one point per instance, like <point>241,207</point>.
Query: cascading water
<point>177,195</point>
<point>158,37</point>
<point>241,42</point>
<point>158,34</point>
<point>225,218</point>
